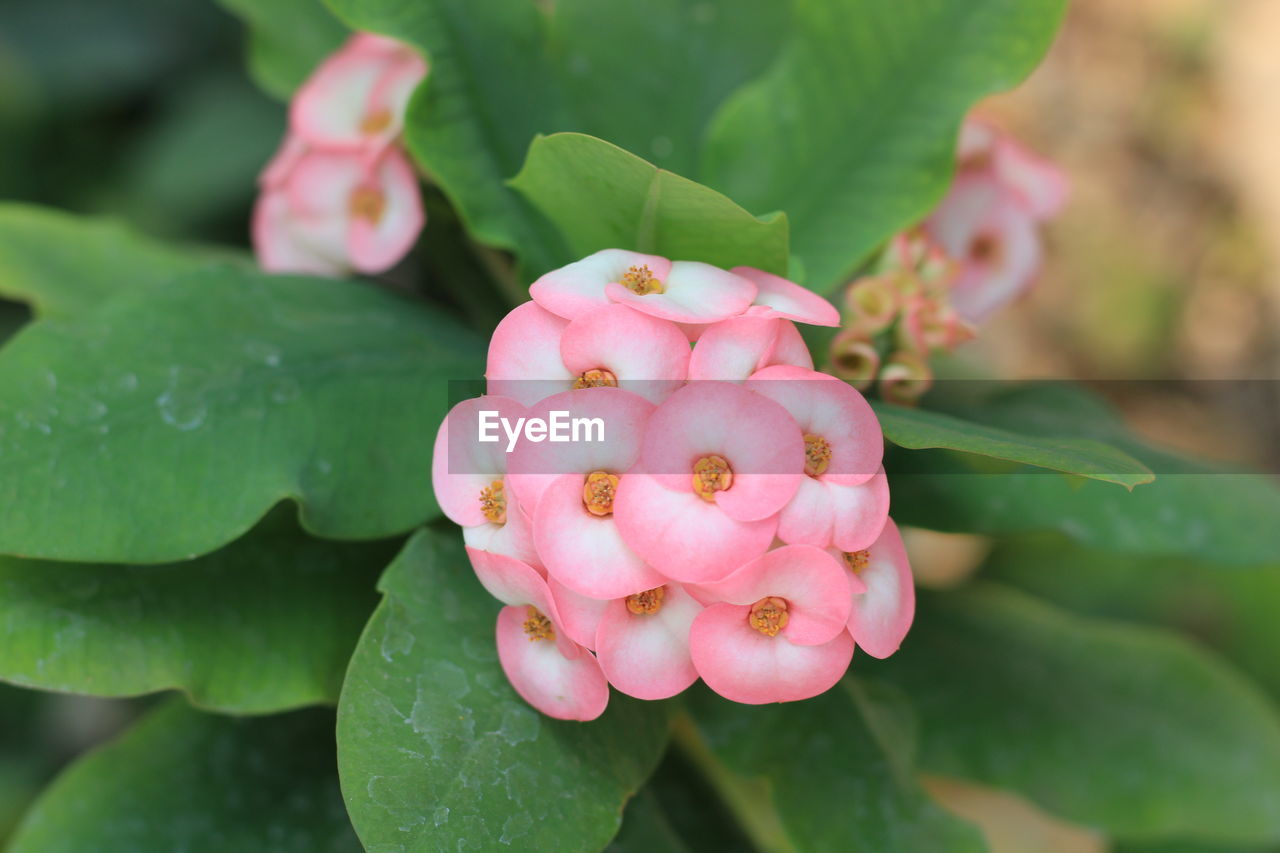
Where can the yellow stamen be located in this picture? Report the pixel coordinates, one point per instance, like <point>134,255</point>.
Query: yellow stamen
<point>537,626</point>
<point>649,601</point>
<point>857,560</point>
<point>493,502</point>
<point>368,203</point>
<point>376,122</point>
<point>817,454</point>
<point>711,474</point>
<point>769,615</point>
<point>640,280</point>
<point>598,492</point>
<point>596,378</point>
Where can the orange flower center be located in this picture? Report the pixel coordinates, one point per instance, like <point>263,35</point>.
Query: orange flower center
<point>985,249</point>
<point>368,204</point>
<point>649,601</point>
<point>769,615</point>
<point>817,454</point>
<point>376,122</point>
<point>538,626</point>
<point>640,280</point>
<point>596,378</point>
<point>493,502</point>
<point>711,474</point>
<point>598,492</point>
<point>857,560</point>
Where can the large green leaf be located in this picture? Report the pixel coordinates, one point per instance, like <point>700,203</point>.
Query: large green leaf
<point>1192,510</point>
<point>644,75</point>
<point>602,197</point>
<point>63,264</point>
<point>182,780</point>
<point>265,624</point>
<point>839,781</point>
<point>287,40</point>
<point>437,752</point>
<point>646,829</point>
<point>165,422</point>
<point>1233,612</point>
<point>918,429</point>
<point>853,131</point>
<point>1127,729</point>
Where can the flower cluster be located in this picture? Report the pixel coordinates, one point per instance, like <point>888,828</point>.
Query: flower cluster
<point>340,194</point>
<point>978,250</point>
<point>731,521</point>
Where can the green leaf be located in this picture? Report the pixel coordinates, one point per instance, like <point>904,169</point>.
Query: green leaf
<point>165,422</point>
<point>182,780</point>
<point>1233,612</point>
<point>836,781</point>
<point>918,429</point>
<point>853,131</point>
<point>602,197</point>
<point>645,829</point>
<point>1128,729</point>
<point>287,40</point>
<point>645,76</point>
<point>63,264</point>
<point>1192,510</point>
<point>436,750</point>
<point>265,624</point>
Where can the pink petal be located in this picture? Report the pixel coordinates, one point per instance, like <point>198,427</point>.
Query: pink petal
<point>744,665</point>
<point>760,441</point>
<point>647,356</point>
<point>681,535</point>
<point>560,687</point>
<point>825,406</point>
<point>881,616</point>
<point>1040,184</point>
<point>283,244</point>
<point>580,286</point>
<point>512,539</point>
<point>694,293</point>
<point>826,514</point>
<point>378,241</point>
<point>462,465</point>
<point>579,615</point>
<point>814,584</point>
<point>778,297</point>
<point>733,349</point>
<point>322,182</point>
<point>586,552</point>
<point>622,415</point>
<point>280,166</point>
<point>524,355</point>
<point>646,655</point>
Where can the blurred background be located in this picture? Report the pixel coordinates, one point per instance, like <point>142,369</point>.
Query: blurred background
<point>1165,265</point>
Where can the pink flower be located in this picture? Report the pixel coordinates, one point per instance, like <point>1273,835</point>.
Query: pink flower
<point>551,672</point>
<point>778,297</point>
<point>642,642</point>
<point>339,195</point>
<point>777,632</point>
<point>569,490</point>
<point>356,99</point>
<point>680,291</point>
<point>986,228</point>
<point>716,465</point>
<point>471,483</point>
<point>884,593</point>
<point>733,349</point>
<point>534,353</point>
<point>844,496</point>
